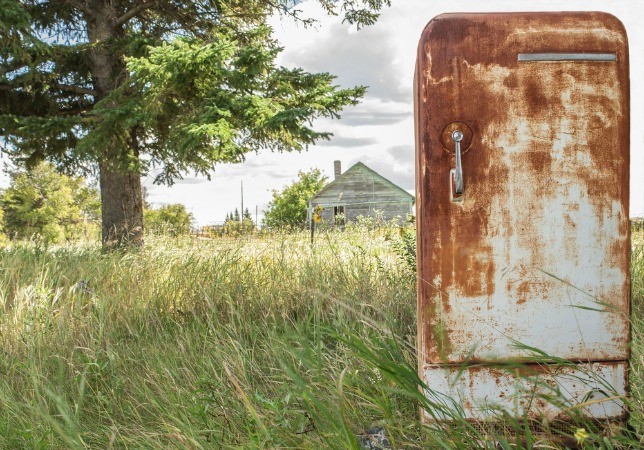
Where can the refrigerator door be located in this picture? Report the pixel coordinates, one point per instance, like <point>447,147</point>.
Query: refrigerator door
<point>522,144</point>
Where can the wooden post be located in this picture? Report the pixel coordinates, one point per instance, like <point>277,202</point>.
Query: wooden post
<point>241,216</point>
<point>311,222</point>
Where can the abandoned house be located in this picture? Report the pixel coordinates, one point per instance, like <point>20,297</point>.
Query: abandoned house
<point>360,192</point>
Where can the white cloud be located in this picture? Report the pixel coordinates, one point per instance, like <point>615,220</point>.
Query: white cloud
<point>365,58</point>
<point>347,141</point>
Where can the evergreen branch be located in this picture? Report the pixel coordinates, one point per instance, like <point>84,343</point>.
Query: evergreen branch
<point>289,10</point>
<point>63,87</point>
<point>75,89</point>
<point>133,12</point>
<point>15,65</point>
<point>78,111</point>
<point>80,5</point>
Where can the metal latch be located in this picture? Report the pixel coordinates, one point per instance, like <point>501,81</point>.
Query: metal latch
<point>456,175</point>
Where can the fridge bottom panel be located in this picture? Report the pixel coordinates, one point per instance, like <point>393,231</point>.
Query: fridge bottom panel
<point>532,391</point>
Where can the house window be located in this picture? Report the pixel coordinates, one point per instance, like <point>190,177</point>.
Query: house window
<point>338,215</point>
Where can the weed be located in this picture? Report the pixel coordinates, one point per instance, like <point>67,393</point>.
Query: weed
<point>258,343</point>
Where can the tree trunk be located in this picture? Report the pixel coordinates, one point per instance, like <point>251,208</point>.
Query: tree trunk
<point>122,207</point>
<point>121,196</point>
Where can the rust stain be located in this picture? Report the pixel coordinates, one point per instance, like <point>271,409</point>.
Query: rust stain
<point>448,142</point>
<point>438,335</point>
<point>479,270</point>
<point>544,140</point>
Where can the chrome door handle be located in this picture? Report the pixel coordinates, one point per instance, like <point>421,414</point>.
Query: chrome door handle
<point>457,137</point>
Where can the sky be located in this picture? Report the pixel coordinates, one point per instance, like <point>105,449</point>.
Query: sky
<point>379,131</point>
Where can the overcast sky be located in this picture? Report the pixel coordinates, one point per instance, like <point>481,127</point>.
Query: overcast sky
<point>379,132</point>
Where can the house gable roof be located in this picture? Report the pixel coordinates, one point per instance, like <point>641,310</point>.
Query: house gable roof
<point>351,172</point>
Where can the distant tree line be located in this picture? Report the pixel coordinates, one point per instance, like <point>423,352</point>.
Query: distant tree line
<point>42,203</point>
<point>49,206</point>
<point>236,224</point>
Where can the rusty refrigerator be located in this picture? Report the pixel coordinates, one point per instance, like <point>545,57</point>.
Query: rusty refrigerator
<point>522,175</point>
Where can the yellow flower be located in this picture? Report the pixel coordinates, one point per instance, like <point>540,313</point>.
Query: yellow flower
<point>316,218</point>
<point>580,435</point>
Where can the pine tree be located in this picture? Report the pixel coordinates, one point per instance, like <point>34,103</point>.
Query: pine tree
<point>124,86</point>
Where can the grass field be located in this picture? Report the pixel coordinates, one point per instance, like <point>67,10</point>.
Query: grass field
<point>195,344</point>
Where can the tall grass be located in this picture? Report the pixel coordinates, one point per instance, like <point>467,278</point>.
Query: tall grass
<point>264,343</point>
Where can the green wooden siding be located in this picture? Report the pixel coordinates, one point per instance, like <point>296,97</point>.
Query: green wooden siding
<point>363,192</point>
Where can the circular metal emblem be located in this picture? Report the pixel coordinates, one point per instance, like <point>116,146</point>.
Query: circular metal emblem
<point>451,132</point>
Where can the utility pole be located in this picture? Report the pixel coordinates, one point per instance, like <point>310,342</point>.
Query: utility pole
<point>256,222</point>
<point>241,216</point>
